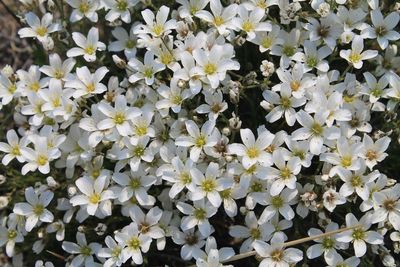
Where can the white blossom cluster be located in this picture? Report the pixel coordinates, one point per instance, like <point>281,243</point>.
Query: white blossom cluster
<point>146,126</point>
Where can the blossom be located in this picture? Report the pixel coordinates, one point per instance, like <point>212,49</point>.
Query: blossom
<point>275,254</point>
<point>355,55</point>
<point>83,8</point>
<point>13,147</point>
<point>360,235</point>
<point>250,22</point>
<point>118,116</point>
<point>221,17</point>
<point>87,46</point>
<point>383,28</point>
<point>145,71</point>
<point>198,139</point>
<point>39,28</point>
<point>84,252</point>
<point>119,9</point>
<point>95,196</point>
<point>157,25</point>
<point>35,209</point>
<point>253,151</point>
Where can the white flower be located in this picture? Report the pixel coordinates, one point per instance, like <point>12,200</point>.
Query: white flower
<point>87,83</point>
<point>145,71</point>
<point>212,257</point>
<point>83,8</point>
<point>9,235</point>
<point>383,28</point>
<point>221,18</point>
<point>135,185</point>
<point>148,223</point>
<point>279,204</point>
<point>173,97</point>
<point>135,243</point>
<point>355,55</point>
<point>374,152</point>
<point>59,69</point>
<point>331,199</point>
<point>285,174</point>
<point>284,105</point>
<point>209,185</point>
<point>87,47</point>
<point>40,157</point>
<point>84,252</point>
<point>276,255</point>
<point>197,215</point>
<point>198,139</point>
<point>360,235</point>
<point>192,241</point>
<point>113,252</point>
<point>157,25</point>
<point>253,151</point>
<point>119,117</point>
<point>326,245</point>
<point>39,28</point>
<point>387,206</point>
<point>125,41</point>
<point>35,210</point>
<point>95,197</point>
<point>338,260</point>
<point>214,105</point>
<point>252,231</point>
<point>251,21</point>
<point>119,9</point>
<point>356,182</point>
<point>213,64</point>
<point>13,148</point>
<point>314,130</point>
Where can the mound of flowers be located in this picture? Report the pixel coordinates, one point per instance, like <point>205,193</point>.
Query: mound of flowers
<point>202,132</point>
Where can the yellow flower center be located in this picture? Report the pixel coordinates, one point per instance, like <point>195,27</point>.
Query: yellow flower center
<point>200,214</point>
<point>285,173</point>
<point>176,99</point>
<point>266,42</point>
<point>185,178</point>
<point>354,57</point>
<point>38,209</point>
<point>42,160</point>
<point>122,5</point>
<point>277,202</point>
<point>84,7</point>
<point>208,185</point>
<point>41,31</point>
<point>141,130</point>
<point>210,68</point>
<point>356,181</point>
<point>218,21</point>
<point>255,233</point>
<point>317,129</point>
<point>253,152</point>
<point>294,85</point>
<point>12,234</point>
<point>16,151</point>
<point>135,183</point>
<point>248,26</point>
<point>134,243</point>
<point>119,118</point>
<point>35,86</point>
<point>94,198</point>
<point>90,87</point>
<point>371,155</point>
<point>346,161</point>
<point>59,74</point>
<point>200,141</point>
<point>148,72</point>
<point>158,29</point>
<point>90,50</point>
<point>277,255</point>
<point>12,88</point>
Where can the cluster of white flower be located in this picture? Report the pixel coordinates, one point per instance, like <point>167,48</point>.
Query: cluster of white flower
<point>167,128</point>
